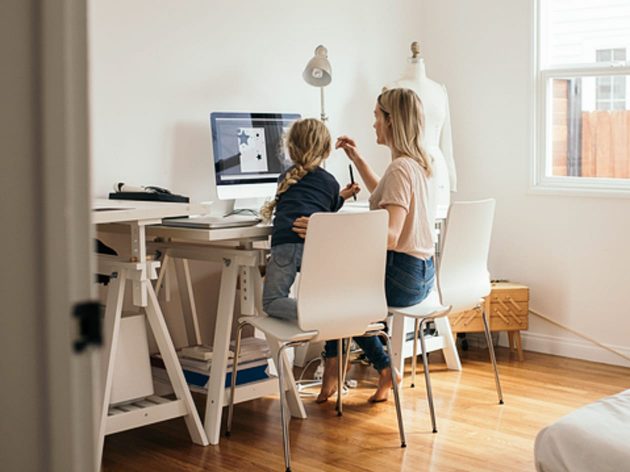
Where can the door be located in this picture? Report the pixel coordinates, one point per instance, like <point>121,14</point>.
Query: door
<point>46,400</point>
<point>67,233</point>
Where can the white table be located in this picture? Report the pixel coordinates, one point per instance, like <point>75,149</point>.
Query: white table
<point>137,215</point>
<point>234,249</point>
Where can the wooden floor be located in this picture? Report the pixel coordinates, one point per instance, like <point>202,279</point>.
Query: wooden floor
<point>475,433</point>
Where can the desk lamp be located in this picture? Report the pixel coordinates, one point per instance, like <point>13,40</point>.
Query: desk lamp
<point>318,73</point>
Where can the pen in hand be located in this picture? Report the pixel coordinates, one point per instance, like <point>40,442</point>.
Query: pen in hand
<point>354,195</point>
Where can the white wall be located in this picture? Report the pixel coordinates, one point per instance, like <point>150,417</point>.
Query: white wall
<point>159,68</point>
<point>573,252</point>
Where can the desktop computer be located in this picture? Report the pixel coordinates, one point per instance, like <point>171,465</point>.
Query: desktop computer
<point>249,154</point>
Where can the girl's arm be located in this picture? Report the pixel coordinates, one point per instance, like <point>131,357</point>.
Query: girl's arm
<point>397,216</point>
<point>367,174</point>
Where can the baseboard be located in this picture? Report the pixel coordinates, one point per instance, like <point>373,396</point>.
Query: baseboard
<point>575,349</point>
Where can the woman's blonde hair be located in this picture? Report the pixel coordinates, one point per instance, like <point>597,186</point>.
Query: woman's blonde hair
<point>404,112</point>
<point>308,143</point>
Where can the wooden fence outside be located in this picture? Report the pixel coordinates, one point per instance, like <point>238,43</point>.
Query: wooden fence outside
<point>606,144</point>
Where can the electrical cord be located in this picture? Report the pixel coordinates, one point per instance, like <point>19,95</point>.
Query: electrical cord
<point>577,333</point>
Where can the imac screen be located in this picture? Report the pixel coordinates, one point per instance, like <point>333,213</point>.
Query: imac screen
<point>249,147</point>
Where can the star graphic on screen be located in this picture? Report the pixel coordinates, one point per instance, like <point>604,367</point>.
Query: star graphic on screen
<point>243,138</point>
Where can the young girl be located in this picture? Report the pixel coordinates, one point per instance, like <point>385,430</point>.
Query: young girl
<point>304,189</point>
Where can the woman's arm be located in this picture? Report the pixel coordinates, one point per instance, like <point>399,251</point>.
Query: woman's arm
<point>367,174</point>
<point>397,216</point>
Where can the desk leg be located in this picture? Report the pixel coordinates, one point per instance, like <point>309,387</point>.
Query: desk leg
<point>163,278</point>
<point>443,327</point>
<point>113,313</point>
<point>398,343</point>
<point>220,347</point>
<point>173,368</point>
<point>449,350</point>
<point>248,292</point>
<point>187,300</point>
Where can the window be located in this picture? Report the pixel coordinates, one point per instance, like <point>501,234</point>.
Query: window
<point>583,75</point>
<point>611,91</point>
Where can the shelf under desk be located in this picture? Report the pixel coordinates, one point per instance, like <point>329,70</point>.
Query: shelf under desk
<point>234,249</point>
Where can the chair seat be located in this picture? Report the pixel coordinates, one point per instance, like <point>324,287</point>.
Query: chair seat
<point>289,331</point>
<point>429,307</point>
<point>282,330</point>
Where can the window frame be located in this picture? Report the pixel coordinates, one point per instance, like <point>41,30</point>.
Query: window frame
<point>543,78</point>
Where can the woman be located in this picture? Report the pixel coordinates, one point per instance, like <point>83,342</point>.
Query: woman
<point>406,191</point>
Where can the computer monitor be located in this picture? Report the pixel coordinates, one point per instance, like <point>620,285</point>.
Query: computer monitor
<point>249,152</point>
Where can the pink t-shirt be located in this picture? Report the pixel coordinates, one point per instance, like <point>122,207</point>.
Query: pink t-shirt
<point>405,184</point>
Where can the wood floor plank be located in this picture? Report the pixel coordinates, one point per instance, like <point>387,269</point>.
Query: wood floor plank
<point>475,433</point>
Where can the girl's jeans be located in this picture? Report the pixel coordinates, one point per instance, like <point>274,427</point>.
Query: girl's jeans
<point>282,268</point>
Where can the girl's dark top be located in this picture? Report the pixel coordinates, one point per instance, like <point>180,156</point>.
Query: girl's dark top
<point>316,191</point>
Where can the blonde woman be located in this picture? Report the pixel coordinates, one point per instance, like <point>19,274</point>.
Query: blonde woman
<point>303,189</point>
<point>406,191</point>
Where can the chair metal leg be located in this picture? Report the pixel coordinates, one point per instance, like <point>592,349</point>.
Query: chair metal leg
<point>339,376</point>
<point>283,414</point>
<point>401,426</point>
<point>347,361</point>
<point>237,351</point>
<point>486,328</point>
<point>414,359</point>
<point>427,377</point>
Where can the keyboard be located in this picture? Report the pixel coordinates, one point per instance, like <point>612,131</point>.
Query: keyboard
<point>212,222</point>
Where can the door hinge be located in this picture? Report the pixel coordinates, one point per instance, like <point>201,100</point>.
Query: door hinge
<point>88,315</point>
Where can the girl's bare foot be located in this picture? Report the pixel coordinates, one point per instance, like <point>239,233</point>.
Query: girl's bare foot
<point>329,380</point>
<point>384,385</point>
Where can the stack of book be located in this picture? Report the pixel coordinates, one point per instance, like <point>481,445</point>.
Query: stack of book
<point>196,363</point>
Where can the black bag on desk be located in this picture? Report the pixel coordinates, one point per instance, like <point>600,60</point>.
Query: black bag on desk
<point>146,196</point>
<point>149,193</point>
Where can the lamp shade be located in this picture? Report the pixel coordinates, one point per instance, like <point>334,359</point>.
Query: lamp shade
<point>318,71</point>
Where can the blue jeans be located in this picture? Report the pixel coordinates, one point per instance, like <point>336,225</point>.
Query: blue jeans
<point>282,268</point>
<point>408,281</point>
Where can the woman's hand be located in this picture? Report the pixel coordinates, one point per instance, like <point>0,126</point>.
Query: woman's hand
<point>349,146</point>
<point>350,190</point>
<point>300,226</point>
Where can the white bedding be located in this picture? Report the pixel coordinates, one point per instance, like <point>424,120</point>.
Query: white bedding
<point>594,438</point>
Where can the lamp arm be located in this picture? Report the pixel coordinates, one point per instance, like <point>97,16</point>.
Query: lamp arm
<point>323,116</point>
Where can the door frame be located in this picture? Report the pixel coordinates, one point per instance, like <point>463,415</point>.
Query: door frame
<point>67,235</point>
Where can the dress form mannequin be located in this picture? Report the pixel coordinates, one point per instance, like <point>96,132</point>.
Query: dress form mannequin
<point>437,135</point>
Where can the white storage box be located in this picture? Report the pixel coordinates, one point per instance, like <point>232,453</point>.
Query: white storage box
<point>132,370</point>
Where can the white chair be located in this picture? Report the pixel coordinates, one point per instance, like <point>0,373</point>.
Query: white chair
<point>341,294</point>
<point>461,283</point>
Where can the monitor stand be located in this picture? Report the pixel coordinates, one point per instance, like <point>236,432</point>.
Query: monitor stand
<point>247,206</point>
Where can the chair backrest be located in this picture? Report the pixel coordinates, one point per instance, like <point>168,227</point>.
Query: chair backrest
<point>463,277</point>
<point>342,282</point>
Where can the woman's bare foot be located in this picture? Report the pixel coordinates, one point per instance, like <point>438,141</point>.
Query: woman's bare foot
<point>329,379</point>
<point>384,385</point>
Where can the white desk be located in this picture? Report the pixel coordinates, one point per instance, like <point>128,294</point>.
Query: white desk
<point>140,271</point>
<point>234,249</point>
